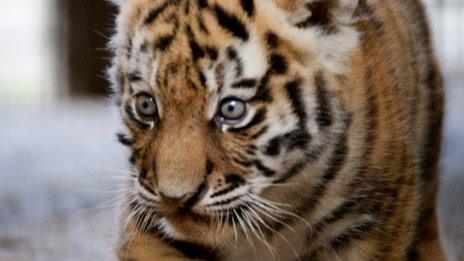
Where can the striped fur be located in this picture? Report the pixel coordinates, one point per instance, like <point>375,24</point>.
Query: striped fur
<point>336,157</point>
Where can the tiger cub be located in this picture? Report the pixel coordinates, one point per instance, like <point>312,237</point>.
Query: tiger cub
<point>278,129</point>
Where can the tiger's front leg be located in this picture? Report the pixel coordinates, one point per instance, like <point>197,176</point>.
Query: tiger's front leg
<point>139,247</point>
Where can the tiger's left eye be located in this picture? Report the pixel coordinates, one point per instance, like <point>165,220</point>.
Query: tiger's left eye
<point>233,109</point>
<point>146,107</point>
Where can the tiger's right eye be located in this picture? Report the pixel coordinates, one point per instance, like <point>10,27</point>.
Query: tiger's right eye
<point>146,107</point>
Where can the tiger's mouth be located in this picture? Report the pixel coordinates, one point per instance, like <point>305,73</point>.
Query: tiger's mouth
<point>218,213</point>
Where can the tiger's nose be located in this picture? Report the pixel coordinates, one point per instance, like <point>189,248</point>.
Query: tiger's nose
<point>188,200</point>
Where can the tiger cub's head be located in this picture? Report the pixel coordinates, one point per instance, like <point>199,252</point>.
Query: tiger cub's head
<point>229,106</point>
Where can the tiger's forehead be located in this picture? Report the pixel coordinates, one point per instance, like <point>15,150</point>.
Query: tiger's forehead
<point>184,45</point>
<point>210,23</point>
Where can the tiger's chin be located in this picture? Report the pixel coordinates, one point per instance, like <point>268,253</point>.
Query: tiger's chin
<point>194,227</point>
<point>183,224</point>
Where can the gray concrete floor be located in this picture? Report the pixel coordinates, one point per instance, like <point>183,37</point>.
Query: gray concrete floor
<point>57,169</point>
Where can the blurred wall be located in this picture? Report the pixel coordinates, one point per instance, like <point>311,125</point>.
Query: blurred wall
<point>27,73</point>
<point>85,28</point>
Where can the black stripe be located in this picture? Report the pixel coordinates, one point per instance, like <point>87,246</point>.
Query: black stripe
<point>201,25</point>
<point>142,181</point>
<point>234,179</point>
<point>297,139</point>
<point>346,237</point>
<point>225,201</point>
<point>225,191</point>
<point>164,42</point>
<point>263,169</point>
<point>195,251</point>
<point>278,64</point>
<point>251,151</point>
<point>233,56</point>
<point>336,215</point>
<point>335,164</point>
<point>196,197</point>
<point>272,40</point>
<point>122,138</point>
<point>212,53</point>
<point>259,117</point>
<point>248,6</point>
<point>245,163</point>
<point>143,174</point>
<point>245,83</point>
<point>259,133</point>
<point>135,77</point>
<point>195,48</point>
<point>324,117</point>
<point>263,94</point>
<point>202,78</point>
<point>209,167</point>
<point>134,156</point>
<point>294,94</point>
<point>155,13</point>
<point>231,23</point>
<point>372,110</point>
<point>188,249</point>
<point>273,147</point>
<point>202,4</point>
<point>337,161</point>
<point>321,16</point>
<point>197,51</point>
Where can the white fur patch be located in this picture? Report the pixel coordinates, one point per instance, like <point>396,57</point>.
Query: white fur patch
<point>168,229</point>
<point>253,56</point>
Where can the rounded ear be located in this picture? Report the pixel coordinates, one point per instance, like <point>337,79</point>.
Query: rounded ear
<point>320,28</point>
<point>325,14</point>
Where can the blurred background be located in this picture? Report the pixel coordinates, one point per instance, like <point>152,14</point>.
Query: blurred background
<point>60,165</point>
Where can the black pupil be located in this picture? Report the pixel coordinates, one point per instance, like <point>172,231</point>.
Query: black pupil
<point>231,107</point>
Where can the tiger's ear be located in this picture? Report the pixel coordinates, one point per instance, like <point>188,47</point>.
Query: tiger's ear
<point>322,28</point>
<point>325,14</point>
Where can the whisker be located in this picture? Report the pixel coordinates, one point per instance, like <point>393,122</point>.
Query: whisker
<point>272,205</point>
<point>274,230</point>
<point>253,223</point>
<point>275,219</point>
<point>125,171</point>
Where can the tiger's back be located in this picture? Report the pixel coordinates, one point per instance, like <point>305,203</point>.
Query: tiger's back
<point>339,150</point>
<point>405,89</point>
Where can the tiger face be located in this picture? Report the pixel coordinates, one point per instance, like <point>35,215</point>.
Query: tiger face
<point>230,106</point>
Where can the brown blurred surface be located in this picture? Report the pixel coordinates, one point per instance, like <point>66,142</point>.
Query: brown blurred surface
<point>87,26</point>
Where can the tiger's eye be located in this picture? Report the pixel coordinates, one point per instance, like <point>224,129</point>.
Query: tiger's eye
<point>146,107</point>
<point>233,109</point>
